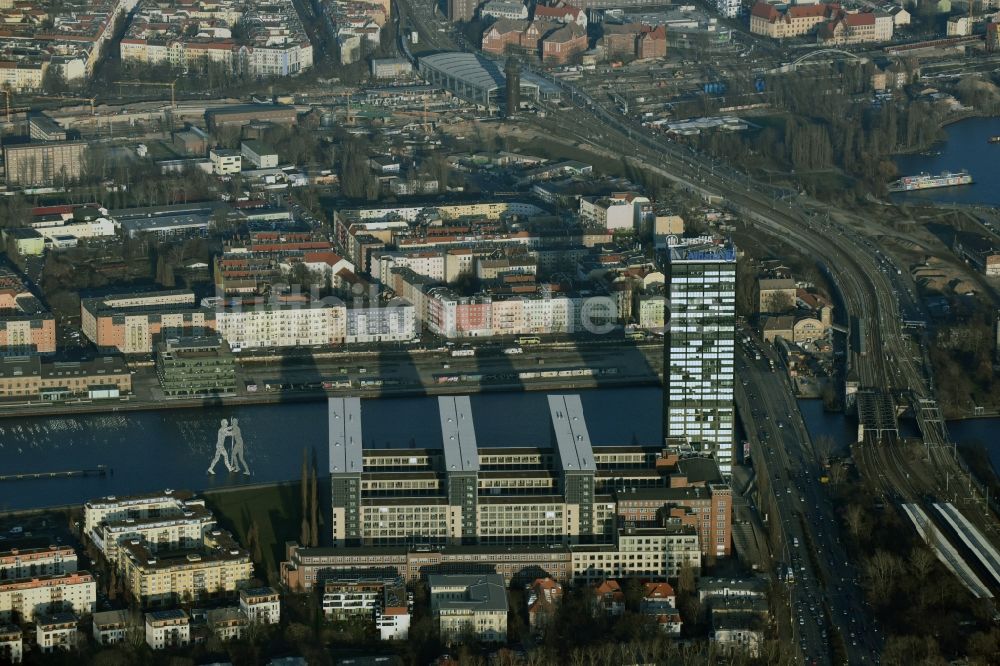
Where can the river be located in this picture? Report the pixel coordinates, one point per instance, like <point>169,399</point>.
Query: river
<point>964,148</point>
<point>172,448</point>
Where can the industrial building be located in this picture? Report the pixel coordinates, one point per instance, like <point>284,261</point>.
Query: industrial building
<point>479,80</point>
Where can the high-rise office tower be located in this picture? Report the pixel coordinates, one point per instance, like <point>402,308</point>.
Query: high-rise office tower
<point>698,354</point>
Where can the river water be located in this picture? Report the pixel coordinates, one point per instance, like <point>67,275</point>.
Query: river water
<point>172,448</point>
<point>965,148</point>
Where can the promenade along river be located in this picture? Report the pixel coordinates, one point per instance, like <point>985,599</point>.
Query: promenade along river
<point>172,448</point>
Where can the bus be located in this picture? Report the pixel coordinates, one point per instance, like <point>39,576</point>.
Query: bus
<point>528,340</point>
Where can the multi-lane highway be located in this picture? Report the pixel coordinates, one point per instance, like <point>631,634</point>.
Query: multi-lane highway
<point>828,613</point>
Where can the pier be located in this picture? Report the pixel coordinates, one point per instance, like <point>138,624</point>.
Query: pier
<point>100,470</point>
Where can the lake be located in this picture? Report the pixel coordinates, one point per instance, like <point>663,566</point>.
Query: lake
<point>965,148</point>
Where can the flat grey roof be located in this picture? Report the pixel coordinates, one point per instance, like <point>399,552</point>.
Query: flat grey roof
<point>486,592</point>
<point>571,436</point>
<point>345,435</point>
<point>458,434</point>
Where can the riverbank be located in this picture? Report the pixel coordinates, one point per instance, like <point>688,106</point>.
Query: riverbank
<point>318,395</point>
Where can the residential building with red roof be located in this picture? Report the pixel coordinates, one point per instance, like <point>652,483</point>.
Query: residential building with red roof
<point>561,13</point>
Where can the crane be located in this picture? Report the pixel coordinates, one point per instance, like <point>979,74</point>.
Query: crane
<point>173,101</point>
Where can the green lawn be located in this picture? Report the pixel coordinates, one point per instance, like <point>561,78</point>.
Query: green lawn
<point>277,511</point>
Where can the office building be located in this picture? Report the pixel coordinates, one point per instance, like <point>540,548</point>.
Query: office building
<point>44,163</point>
<point>698,354</point>
<point>42,128</point>
<point>168,629</point>
<point>57,631</point>
<point>259,154</point>
<point>464,494</point>
<point>28,597</point>
<point>464,605</point>
<point>110,627</point>
<point>261,604</point>
<point>225,162</point>
<point>29,562</point>
<point>195,366</point>
<point>31,378</point>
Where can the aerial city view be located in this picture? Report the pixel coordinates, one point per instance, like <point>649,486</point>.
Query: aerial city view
<point>499,332</point>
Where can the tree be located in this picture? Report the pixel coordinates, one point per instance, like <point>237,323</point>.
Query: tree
<point>314,511</point>
<point>304,536</point>
<point>856,520</point>
<point>881,571</point>
<point>53,80</point>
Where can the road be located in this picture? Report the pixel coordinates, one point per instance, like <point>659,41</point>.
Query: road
<point>827,608</point>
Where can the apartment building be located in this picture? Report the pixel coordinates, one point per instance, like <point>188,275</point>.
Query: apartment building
<point>30,562</point>
<point>275,44</point>
<point>227,623</point>
<point>134,323</point>
<point>392,616</point>
<point>110,627</point>
<point>26,328</point>
<point>521,313</point>
<point>261,604</point>
<point>27,598</point>
<point>394,321</point>
<point>113,509</point>
<point>11,643</point>
<point>347,596</point>
<point>167,629</point>
<point>58,631</point>
<point>307,324</point>
<point>619,211</point>
<point>185,529</point>
<point>216,569</point>
<point>464,604</point>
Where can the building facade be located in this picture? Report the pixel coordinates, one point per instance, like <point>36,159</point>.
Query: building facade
<point>27,598</point>
<point>195,366</point>
<point>44,163</point>
<point>699,348</point>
